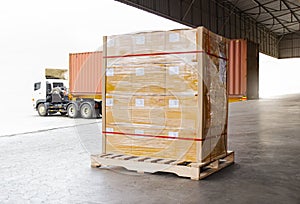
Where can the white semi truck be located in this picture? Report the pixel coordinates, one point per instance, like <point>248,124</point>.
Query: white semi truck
<point>80,96</point>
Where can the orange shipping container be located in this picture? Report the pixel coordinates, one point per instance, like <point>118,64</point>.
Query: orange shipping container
<point>243,69</point>
<point>85,74</point>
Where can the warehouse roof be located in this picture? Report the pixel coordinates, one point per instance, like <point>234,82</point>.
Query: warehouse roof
<point>279,16</point>
<point>273,24</point>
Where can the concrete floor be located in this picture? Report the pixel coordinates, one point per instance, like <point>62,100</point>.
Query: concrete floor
<point>53,166</point>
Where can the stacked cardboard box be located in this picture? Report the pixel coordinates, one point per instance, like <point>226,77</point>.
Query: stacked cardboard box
<point>166,94</point>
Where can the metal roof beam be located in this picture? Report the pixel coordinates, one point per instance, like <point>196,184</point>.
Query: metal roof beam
<point>249,9</point>
<point>188,10</point>
<point>275,29</point>
<point>293,13</point>
<point>289,11</point>
<point>262,6</point>
<point>277,16</point>
<point>291,23</point>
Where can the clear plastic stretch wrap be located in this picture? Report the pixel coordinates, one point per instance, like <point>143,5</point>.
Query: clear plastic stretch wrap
<point>166,95</point>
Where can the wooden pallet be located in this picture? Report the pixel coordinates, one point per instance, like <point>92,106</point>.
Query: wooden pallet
<point>195,171</point>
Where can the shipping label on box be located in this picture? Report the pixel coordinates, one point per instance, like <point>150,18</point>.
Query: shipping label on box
<point>139,72</point>
<point>174,70</point>
<point>139,40</point>
<point>109,102</point>
<point>109,71</point>
<point>139,133</point>
<point>139,102</point>
<point>174,37</point>
<point>173,103</point>
<point>110,42</point>
<point>109,129</point>
<point>173,135</point>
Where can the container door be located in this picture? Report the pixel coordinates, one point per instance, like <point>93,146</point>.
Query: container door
<point>252,70</point>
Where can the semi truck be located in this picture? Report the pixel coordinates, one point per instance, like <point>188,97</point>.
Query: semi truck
<point>77,94</point>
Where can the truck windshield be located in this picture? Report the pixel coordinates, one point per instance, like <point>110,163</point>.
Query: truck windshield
<point>56,84</point>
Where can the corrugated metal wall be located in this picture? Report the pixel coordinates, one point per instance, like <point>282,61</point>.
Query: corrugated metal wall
<point>220,17</point>
<point>85,73</point>
<point>289,46</point>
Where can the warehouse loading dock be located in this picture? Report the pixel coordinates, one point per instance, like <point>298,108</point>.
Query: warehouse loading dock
<point>52,165</point>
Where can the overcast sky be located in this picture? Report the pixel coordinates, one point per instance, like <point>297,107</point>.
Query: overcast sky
<point>37,34</point>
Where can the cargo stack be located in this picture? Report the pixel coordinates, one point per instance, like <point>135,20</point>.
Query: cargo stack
<point>166,95</point>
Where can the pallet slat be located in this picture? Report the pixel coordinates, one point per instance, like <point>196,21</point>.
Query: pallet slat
<point>195,171</point>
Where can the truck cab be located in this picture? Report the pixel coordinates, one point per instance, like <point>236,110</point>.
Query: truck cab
<point>49,96</point>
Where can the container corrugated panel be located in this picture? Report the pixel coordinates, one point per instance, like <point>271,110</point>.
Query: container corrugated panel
<point>243,71</point>
<point>237,76</point>
<point>85,73</point>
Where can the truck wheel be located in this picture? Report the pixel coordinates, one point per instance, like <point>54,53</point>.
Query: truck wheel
<point>42,110</point>
<point>72,111</point>
<point>86,111</point>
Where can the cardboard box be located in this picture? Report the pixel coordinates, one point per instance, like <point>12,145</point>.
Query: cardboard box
<point>170,95</point>
<point>153,143</point>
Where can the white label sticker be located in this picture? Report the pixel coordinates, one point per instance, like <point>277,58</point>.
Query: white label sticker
<point>174,70</point>
<point>139,131</point>
<point>174,37</point>
<point>109,129</point>
<point>109,71</point>
<point>140,40</point>
<point>173,134</point>
<point>139,102</point>
<point>139,72</point>
<point>109,102</point>
<point>110,43</point>
<point>173,103</point>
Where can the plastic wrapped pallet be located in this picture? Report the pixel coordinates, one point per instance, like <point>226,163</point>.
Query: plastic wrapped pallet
<point>166,95</point>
